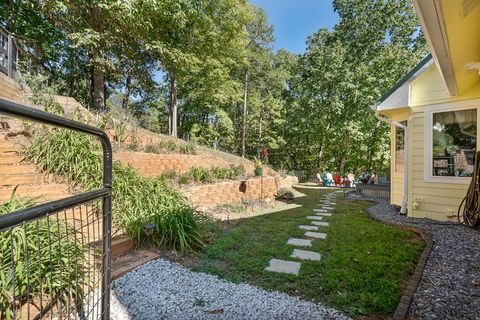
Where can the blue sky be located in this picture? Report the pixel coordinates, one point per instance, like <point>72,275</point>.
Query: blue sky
<point>295,20</point>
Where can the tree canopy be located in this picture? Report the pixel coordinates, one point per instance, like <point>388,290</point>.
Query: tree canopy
<point>207,71</point>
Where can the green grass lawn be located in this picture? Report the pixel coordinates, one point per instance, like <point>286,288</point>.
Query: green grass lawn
<point>364,263</point>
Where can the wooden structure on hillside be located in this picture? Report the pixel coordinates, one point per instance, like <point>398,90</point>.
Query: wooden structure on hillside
<point>8,54</point>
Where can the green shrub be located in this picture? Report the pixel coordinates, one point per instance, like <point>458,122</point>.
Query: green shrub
<point>168,145</point>
<point>151,149</point>
<point>285,194</point>
<point>136,199</point>
<point>168,175</point>
<point>238,170</point>
<point>258,167</point>
<point>184,179</point>
<point>200,174</point>
<point>33,277</point>
<point>233,207</point>
<point>189,148</point>
<point>221,173</point>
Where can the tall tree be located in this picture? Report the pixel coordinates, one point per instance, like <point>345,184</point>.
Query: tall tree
<point>260,33</point>
<point>189,37</point>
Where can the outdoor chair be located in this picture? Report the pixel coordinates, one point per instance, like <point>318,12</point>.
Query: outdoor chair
<point>337,180</point>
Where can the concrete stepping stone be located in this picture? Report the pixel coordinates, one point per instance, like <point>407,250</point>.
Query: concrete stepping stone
<point>319,223</point>
<point>305,255</point>
<point>309,228</point>
<point>300,242</point>
<point>314,218</point>
<point>320,210</point>
<point>324,214</point>
<point>284,266</point>
<point>317,235</point>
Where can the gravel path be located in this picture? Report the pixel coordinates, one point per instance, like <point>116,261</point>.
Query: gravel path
<point>450,284</point>
<point>164,290</point>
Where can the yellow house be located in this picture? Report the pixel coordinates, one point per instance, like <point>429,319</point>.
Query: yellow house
<point>433,112</point>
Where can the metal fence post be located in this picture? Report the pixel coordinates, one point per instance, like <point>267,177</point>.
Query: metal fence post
<point>107,226</point>
<point>9,56</point>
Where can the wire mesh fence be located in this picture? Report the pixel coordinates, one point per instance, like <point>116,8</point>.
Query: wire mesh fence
<point>51,267</point>
<point>55,258</point>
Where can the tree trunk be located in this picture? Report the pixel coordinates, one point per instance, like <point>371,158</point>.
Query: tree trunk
<point>244,126</point>
<point>98,75</point>
<point>128,89</point>
<point>10,21</point>
<point>371,150</point>
<point>74,75</point>
<point>173,104</point>
<point>98,89</point>
<point>341,168</point>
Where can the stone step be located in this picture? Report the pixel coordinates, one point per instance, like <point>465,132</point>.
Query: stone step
<point>328,208</point>
<point>320,223</point>
<point>7,146</point>
<point>10,158</point>
<point>284,266</point>
<point>300,242</point>
<point>46,192</point>
<point>314,218</point>
<point>321,210</point>
<point>21,179</point>
<point>316,235</point>
<point>130,261</point>
<point>323,214</point>
<point>309,228</point>
<point>121,246</point>
<point>305,255</point>
<point>17,169</point>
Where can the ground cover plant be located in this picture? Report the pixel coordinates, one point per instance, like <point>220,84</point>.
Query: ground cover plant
<point>21,245</point>
<point>148,210</point>
<point>364,263</point>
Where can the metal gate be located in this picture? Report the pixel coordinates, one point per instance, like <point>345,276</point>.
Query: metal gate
<point>55,259</point>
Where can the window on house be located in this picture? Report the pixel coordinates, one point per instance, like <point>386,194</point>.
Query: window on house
<point>454,141</point>
<point>400,148</point>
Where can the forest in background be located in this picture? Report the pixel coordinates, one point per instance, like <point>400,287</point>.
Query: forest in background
<point>206,71</point>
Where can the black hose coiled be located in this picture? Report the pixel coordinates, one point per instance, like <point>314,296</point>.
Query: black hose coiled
<point>470,215</point>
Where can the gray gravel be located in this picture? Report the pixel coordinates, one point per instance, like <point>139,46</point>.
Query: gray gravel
<point>450,284</point>
<point>164,290</point>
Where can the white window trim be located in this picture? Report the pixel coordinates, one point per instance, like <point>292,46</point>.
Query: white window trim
<point>394,156</point>
<point>428,142</point>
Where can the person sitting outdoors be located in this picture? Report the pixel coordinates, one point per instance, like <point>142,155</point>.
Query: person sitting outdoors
<point>325,179</point>
<point>319,178</point>
<point>364,177</point>
<point>374,178</point>
<point>351,178</point>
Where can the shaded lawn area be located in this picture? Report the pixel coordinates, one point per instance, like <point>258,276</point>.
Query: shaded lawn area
<point>364,265</point>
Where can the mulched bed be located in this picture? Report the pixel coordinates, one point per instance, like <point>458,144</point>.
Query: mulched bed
<point>450,284</point>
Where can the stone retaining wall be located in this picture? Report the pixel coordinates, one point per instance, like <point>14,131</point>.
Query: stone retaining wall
<point>287,182</point>
<point>151,164</point>
<point>232,191</point>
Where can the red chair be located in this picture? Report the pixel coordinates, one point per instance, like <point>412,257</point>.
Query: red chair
<point>337,180</point>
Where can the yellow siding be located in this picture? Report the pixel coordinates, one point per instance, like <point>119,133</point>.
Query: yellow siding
<point>433,200</point>
<point>429,89</point>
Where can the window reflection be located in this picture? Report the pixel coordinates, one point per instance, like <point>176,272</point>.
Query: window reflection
<point>454,142</point>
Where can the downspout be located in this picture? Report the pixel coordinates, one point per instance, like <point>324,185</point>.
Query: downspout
<point>403,209</point>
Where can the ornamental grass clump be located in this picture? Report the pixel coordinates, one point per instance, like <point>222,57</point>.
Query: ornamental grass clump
<point>137,201</point>
<point>44,256</point>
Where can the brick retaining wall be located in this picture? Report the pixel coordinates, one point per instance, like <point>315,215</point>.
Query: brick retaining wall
<point>151,164</point>
<point>236,191</point>
<point>231,191</point>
